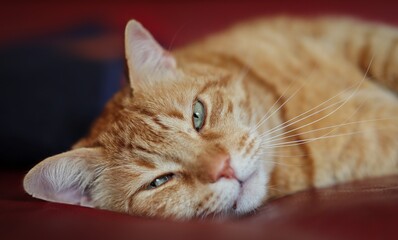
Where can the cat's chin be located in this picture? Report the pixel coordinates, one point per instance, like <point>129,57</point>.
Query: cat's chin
<point>251,194</point>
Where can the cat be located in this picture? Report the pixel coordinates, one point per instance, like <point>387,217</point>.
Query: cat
<point>264,109</point>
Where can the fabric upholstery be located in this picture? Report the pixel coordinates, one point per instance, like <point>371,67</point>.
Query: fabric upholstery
<point>361,210</point>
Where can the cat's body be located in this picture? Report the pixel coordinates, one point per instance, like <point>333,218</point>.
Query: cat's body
<point>288,104</point>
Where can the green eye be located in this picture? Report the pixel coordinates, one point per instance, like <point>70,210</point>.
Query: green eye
<point>157,182</point>
<point>198,116</point>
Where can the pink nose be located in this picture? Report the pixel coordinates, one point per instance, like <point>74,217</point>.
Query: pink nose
<point>221,168</point>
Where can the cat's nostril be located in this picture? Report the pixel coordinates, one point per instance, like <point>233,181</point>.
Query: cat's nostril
<point>222,168</point>
<point>227,172</point>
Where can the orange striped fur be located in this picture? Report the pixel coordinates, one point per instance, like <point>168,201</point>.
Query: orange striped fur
<point>295,103</point>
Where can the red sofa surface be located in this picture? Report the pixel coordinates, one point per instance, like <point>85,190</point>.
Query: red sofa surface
<point>365,209</point>
<point>360,210</point>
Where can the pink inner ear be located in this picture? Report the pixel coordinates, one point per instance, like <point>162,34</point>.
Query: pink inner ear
<point>145,56</point>
<point>43,188</point>
<point>63,178</point>
<point>69,196</point>
<point>138,33</point>
<point>169,60</point>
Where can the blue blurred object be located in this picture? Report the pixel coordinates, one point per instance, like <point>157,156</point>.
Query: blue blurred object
<point>50,97</point>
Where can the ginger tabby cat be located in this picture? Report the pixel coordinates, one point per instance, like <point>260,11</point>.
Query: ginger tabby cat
<point>264,109</point>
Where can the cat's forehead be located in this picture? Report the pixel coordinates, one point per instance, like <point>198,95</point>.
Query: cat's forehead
<point>153,112</point>
<point>180,91</point>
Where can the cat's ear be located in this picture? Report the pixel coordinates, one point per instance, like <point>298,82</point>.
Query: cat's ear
<point>146,59</point>
<point>64,178</point>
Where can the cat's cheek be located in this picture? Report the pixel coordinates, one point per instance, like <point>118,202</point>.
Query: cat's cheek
<point>244,167</point>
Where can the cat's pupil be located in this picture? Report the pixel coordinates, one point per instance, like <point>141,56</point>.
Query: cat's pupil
<point>198,115</point>
<point>160,181</point>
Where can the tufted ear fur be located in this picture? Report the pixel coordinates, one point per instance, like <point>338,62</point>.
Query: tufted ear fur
<point>146,59</point>
<point>64,178</point>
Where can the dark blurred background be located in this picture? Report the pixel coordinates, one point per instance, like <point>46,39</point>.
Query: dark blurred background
<point>61,61</point>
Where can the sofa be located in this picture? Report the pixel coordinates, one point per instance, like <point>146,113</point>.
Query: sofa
<point>365,209</point>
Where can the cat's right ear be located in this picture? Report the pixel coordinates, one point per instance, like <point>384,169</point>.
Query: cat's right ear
<point>147,61</point>
<point>66,177</point>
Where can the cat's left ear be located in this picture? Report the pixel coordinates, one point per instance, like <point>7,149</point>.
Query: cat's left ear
<point>146,59</point>
<point>66,177</point>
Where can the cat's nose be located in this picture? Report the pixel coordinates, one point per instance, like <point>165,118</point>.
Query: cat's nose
<point>222,168</point>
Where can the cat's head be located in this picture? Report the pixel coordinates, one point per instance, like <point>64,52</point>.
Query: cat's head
<point>178,142</point>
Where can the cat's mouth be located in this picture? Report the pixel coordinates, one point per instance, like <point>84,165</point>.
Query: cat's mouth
<point>241,185</point>
<point>244,191</point>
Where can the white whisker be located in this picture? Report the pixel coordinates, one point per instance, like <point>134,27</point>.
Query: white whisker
<point>289,123</point>
<point>267,115</point>
<point>327,115</point>
<point>304,141</point>
<point>175,36</point>
<point>275,138</point>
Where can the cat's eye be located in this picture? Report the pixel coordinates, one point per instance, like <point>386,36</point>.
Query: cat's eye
<point>159,181</point>
<point>198,115</point>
